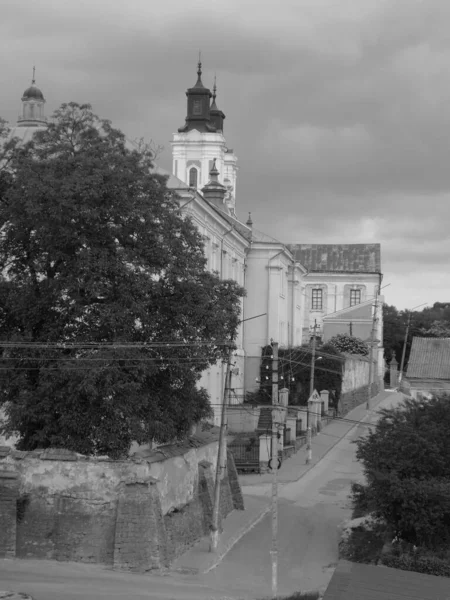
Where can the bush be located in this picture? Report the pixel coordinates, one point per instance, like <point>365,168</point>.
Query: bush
<point>428,565</point>
<point>349,344</point>
<point>360,500</point>
<point>363,545</point>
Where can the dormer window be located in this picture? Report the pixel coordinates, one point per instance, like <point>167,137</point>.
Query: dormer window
<point>193,177</point>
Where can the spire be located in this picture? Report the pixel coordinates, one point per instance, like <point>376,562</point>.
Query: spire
<point>33,81</point>
<point>199,70</point>
<point>217,116</point>
<point>214,191</point>
<point>198,109</point>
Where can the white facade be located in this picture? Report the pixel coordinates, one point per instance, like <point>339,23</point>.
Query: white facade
<point>335,294</point>
<point>273,286</point>
<point>225,252</point>
<point>197,150</point>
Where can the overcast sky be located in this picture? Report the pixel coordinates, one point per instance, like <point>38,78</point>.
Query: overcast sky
<point>338,110</point>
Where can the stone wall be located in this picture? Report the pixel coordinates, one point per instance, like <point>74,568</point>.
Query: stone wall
<point>138,514</point>
<point>349,400</point>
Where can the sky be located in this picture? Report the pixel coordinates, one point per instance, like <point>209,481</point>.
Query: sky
<point>338,110</point>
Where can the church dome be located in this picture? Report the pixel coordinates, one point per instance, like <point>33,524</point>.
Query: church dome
<point>33,93</point>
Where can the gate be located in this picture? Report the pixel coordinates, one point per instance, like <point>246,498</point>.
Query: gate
<point>245,453</point>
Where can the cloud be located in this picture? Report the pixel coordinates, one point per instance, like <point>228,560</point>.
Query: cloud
<point>338,111</point>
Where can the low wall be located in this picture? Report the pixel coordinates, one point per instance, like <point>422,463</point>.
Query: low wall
<point>243,419</point>
<point>137,514</point>
<point>356,373</point>
<point>352,399</point>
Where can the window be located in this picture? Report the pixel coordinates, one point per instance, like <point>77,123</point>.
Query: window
<point>316,303</point>
<point>355,297</point>
<point>193,177</point>
<point>197,108</point>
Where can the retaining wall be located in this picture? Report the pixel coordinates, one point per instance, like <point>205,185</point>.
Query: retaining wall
<point>137,514</point>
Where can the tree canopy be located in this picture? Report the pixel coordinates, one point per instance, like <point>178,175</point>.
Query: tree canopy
<point>343,342</point>
<point>405,460</point>
<point>105,300</point>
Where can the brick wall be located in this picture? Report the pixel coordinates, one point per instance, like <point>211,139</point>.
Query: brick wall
<point>8,506</point>
<point>349,400</point>
<point>117,513</point>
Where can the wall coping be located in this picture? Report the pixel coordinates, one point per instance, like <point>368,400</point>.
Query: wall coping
<point>159,454</point>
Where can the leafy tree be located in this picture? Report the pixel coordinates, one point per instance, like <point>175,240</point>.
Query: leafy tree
<point>439,329</point>
<point>98,263</point>
<point>405,461</point>
<point>349,344</point>
<point>294,373</point>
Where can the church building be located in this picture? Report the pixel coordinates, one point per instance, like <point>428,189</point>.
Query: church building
<point>289,287</point>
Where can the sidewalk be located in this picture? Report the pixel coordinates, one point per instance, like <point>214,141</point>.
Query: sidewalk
<point>256,489</point>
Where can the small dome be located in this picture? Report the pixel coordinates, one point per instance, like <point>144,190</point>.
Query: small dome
<point>33,93</point>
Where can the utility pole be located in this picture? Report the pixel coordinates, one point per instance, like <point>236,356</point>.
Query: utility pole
<point>311,391</point>
<point>402,364</point>
<point>408,324</point>
<point>274,458</point>
<point>221,456</point>
<point>372,338</point>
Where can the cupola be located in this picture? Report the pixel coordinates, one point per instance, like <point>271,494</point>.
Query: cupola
<point>198,107</point>
<point>32,106</point>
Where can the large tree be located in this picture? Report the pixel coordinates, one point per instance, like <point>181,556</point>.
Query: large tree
<point>405,461</point>
<point>107,306</point>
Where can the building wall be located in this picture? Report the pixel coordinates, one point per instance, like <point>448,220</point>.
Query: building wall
<point>336,294</point>
<point>273,291</point>
<point>225,254</point>
<point>199,149</point>
<point>417,386</point>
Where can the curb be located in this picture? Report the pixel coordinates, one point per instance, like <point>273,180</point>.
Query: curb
<point>217,558</point>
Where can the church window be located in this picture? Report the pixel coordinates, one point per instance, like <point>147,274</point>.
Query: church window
<point>355,297</point>
<point>197,107</point>
<point>317,302</point>
<point>193,177</point>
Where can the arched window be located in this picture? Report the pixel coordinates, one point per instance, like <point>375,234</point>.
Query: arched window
<point>193,177</point>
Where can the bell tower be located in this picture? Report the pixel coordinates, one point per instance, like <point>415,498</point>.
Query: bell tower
<point>200,142</point>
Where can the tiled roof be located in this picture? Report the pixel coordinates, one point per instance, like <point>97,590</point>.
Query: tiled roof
<point>429,358</point>
<point>345,258</point>
<point>353,581</point>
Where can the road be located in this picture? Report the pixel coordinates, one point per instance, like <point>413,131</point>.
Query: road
<point>310,511</point>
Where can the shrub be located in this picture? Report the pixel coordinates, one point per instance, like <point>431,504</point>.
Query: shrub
<point>349,344</point>
<point>363,545</point>
<point>428,565</point>
<point>360,500</point>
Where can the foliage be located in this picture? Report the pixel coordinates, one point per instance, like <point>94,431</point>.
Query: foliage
<point>360,500</point>
<point>294,373</point>
<point>98,263</point>
<point>437,329</point>
<point>408,472</point>
<point>430,565</point>
<point>432,321</point>
<point>343,342</point>
<point>364,545</point>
